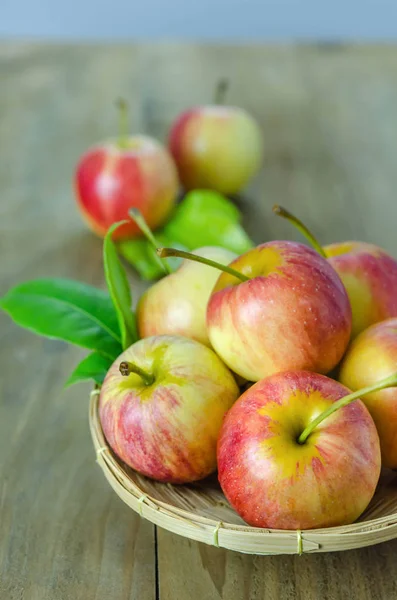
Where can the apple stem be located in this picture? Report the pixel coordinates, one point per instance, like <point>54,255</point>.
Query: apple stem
<point>164,252</point>
<point>283,212</point>
<point>390,381</point>
<point>122,107</point>
<point>139,219</point>
<point>221,90</point>
<point>126,368</point>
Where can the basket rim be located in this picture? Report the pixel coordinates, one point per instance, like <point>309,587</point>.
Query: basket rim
<point>159,512</point>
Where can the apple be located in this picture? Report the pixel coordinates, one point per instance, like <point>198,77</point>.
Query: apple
<point>368,273</point>
<point>372,356</point>
<point>161,407</point>
<point>177,304</point>
<point>277,478</point>
<point>279,307</point>
<point>217,147</point>
<point>119,174</point>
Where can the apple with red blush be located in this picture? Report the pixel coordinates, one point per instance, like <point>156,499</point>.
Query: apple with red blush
<point>216,146</point>
<point>131,171</point>
<point>370,357</point>
<point>162,404</point>
<point>368,273</point>
<point>298,450</point>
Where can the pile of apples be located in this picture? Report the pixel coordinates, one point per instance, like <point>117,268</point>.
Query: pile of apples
<point>232,373</point>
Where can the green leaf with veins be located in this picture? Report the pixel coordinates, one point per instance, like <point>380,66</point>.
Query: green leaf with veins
<point>66,310</point>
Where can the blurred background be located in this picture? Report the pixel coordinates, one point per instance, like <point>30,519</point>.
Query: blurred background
<point>215,20</point>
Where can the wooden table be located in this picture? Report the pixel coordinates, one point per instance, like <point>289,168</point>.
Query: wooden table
<point>329,116</point>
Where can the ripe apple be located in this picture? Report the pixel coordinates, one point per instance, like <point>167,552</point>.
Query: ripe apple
<point>274,481</point>
<point>216,147</point>
<point>161,407</point>
<point>177,304</point>
<point>372,356</point>
<point>119,174</point>
<point>279,307</point>
<point>368,273</point>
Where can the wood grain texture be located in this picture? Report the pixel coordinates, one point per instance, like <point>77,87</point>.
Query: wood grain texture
<point>64,535</point>
<point>191,570</point>
<point>329,115</point>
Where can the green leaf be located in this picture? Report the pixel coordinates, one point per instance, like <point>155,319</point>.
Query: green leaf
<point>94,366</point>
<point>66,310</point>
<point>119,289</point>
<point>140,253</point>
<point>206,218</point>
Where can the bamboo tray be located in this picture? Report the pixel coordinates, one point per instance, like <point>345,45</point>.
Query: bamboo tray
<point>201,512</point>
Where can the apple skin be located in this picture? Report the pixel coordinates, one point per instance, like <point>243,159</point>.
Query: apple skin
<point>293,314</point>
<point>371,357</point>
<point>369,275</point>
<point>273,481</point>
<point>216,147</point>
<point>177,304</point>
<point>111,179</point>
<point>168,430</point>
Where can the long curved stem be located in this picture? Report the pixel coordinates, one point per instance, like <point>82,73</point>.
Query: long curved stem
<point>390,381</point>
<point>283,212</point>
<point>137,216</point>
<point>164,252</point>
<point>126,368</point>
<point>123,122</point>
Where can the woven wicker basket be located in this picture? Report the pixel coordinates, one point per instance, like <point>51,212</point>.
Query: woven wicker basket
<point>201,512</point>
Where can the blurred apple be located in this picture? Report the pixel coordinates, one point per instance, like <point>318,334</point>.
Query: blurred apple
<point>124,173</point>
<point>216,147</point>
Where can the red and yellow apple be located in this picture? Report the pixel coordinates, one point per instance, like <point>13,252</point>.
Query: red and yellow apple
<point>177,304</point>
<point>292,312</point>
<point>373,356</point>
<point>369,275</point>
<point>133,172</point>
<point>274,481</point>
<point>162,416</point>
<point>216,147</point>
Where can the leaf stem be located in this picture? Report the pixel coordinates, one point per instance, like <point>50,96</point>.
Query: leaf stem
<point>139,219</point>
<point>164,252</point>
<point>119,288</point>
<point>390,381</point>
<point>221,90</point>
<point>122,107</point>
<point>126,368</point>
<point>283,212</point>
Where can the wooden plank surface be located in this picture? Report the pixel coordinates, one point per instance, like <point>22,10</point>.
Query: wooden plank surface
<point>329,115</point>
<point>64,534</point>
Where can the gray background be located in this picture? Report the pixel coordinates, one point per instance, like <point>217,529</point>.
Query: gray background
<point>200,19</point>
